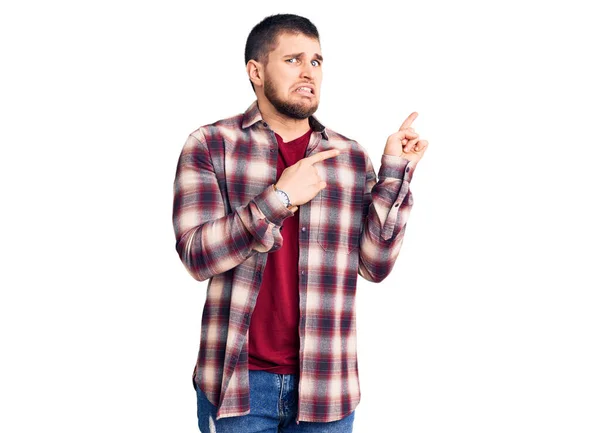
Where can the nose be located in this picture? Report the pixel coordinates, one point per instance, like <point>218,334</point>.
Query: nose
<point>307,71</point>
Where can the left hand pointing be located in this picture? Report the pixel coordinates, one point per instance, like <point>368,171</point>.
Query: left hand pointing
<point>405,142</point>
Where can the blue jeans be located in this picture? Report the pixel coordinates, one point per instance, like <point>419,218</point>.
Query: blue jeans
<point>273,409</point>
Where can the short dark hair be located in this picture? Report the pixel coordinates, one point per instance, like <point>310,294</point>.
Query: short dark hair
<point>263,37</point>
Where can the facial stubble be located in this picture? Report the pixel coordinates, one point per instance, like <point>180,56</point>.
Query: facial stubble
<point>286,108</point>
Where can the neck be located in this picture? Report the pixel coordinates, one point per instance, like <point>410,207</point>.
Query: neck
<point>288,128</point>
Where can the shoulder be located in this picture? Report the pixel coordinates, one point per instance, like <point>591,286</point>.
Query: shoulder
<point>341,141</point>
<point>229,126</point>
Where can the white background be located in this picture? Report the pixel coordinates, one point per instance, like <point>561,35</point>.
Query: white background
<point>489,320</point>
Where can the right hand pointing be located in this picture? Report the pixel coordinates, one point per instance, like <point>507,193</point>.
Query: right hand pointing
<point>301,181</point>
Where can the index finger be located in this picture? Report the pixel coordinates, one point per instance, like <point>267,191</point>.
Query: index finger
<point>320,156</point>
<point>409,120</point>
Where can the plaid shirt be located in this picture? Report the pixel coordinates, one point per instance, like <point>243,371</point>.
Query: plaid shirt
<point>227,218</point>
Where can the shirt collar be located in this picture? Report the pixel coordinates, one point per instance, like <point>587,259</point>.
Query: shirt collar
<point>252,115</point>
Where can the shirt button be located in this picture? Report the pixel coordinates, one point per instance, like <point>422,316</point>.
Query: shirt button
<point>303,229</point>
<point>265,124</point>
<point>302,272</point>
<point>397,204</point>
<point>407,169</point>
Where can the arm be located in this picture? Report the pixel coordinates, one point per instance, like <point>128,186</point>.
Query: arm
<point>208,240</point>
<point>386,206</point>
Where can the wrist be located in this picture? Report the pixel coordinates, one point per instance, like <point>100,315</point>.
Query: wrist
<point>283,196</point>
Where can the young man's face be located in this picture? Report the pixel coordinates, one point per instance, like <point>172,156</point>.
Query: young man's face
<point>294,63</point>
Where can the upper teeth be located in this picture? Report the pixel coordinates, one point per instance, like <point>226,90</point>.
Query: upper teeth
<point>305,88</point>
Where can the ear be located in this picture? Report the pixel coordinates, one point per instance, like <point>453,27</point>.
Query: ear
<point>255,73</point>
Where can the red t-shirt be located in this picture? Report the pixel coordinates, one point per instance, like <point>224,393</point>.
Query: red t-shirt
<point>274,342</point>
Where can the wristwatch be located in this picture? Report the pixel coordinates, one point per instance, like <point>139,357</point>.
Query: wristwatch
<point>283,197</point>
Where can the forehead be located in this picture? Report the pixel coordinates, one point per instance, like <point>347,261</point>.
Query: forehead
<point>288,43</point>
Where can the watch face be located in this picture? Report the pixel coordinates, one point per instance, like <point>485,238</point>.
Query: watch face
<point>283,197</point>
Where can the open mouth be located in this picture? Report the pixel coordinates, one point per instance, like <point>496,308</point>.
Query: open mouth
<point>307,91</point>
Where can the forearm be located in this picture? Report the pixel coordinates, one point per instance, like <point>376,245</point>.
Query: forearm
<point>388,202</point>
<point>219,245</point>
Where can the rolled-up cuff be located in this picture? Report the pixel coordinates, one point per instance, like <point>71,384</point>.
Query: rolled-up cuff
<point>272,207</point>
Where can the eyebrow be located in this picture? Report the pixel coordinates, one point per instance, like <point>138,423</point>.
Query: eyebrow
<point>317,56</point>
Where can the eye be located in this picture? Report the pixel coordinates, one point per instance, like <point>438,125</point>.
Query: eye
<point>318,63</point>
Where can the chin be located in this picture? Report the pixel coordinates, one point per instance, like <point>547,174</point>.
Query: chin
<point>313,104</point>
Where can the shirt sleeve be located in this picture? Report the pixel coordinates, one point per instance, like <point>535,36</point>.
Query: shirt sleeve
<point>387,203</point>
<point>208,240</point>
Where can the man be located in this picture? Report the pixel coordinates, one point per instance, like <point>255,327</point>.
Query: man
<point>281,214</point>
